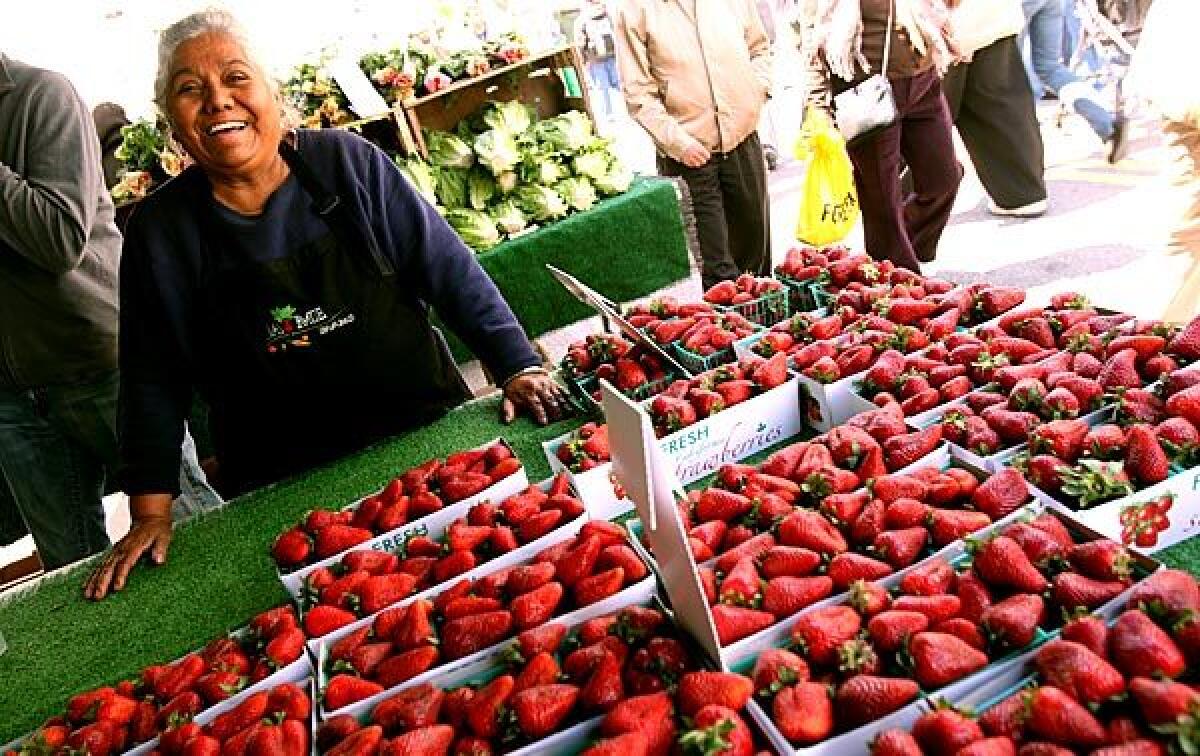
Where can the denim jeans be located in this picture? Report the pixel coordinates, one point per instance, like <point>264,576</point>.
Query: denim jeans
<point>56,444</point>
<point>1044,34</point>
<point>604,79</point>
<point>1089,63</point>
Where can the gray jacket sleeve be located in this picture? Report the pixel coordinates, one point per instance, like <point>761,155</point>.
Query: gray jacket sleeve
<point>46,214</point>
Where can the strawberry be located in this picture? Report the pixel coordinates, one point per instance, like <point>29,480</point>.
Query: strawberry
<point>1140,648</point>
<point>409,709</point>
<point>1170,594</point>
<point>751,547</point>
<point>847,568</point>
<point>361,742</point>
<point>1001,562</point>
<point>1061,438</point>
<point>343,690</point>
<point>803,713</point>
<point>890,630</point>
<point>407,665</point>
<point>734,622</point>
<point>718,504</point>
<point>936,608</point>
<point>381,591</point>
<point>777,668</point>
<point>322,620</point>
<point>1145,460</point>
<point>1089,631</point>
<point>604,687</point>
<point>904,450</point>
<point>1012,427</point>
<point>945,731</point>
<point>940,659</point>
<point>536,607</point>
<point>1077,670</point>
<point>621,555</point>
<point>1054,715</point>
<point>292,548</point>
<point>526,578</point>
<point>821,632</point>
<point>867,698</point>
<point>900,548</point>
<point>424,741</point>
<point>1071,590</point>
<point>930,578</point>
<point>540,711</point>
<point>718,730</point>
<point>1101,559</point>
<point>1120,371</point>
<point>1163,701</point>
<point>1014,621</point>
<point>896,742</point>
<point>949,525</point>
<point>336,538</point>
<point>629,744</point>
<point>466,635</point>
<point>704,688</point>
<point>979,437</point>
<point>809,529</point>
<point>786,595</point>
<point>792,561</point>
<point>598,587</point>
<point>484,709</point>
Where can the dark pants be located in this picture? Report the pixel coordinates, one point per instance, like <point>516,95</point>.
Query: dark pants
<point>906,229</point>
<point>729,198</point>
<point>56,444</point>
<point>992,106</point>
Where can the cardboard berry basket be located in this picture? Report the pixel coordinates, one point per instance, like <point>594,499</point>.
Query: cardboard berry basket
<point>517,556</point>
<point>486,662</point>
<point>597,487</point>
<point>766,311</point>
<point>293,581</point>
<point>856,741</point>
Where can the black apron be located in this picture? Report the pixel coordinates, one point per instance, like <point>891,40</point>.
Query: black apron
<point>312,356</point>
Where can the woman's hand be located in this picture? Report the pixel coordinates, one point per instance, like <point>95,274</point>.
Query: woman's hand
<point>150,532</point>
<point>535,393</point>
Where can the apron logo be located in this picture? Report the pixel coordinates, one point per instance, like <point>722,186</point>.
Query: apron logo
<point>286,329</point>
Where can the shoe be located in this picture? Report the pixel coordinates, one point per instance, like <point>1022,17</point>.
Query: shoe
<point>1119,141</point>
<point>1032,210</point>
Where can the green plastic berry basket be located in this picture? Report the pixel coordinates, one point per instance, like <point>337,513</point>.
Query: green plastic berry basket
<point>581,389</point>
<point>766,311</point>
<point>802,295</point>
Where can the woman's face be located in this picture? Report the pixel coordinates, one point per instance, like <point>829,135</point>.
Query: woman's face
<point>221,106</point>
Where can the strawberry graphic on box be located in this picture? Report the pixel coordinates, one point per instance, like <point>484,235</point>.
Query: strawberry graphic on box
<point>286,318</point>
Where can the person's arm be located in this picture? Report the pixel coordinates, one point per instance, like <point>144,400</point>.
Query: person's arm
<point>152,410</point>
<point>47,213</point>
<point>642,94</point>
<point>447,275</point>
<point>816,74</point>
<point>759,45</point>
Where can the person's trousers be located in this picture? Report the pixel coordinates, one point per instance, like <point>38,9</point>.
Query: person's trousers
<point>56,444</point>
<point>732,209</point>
<point>906,229</point>
<point>1044,34</point>
<point>991,104</point>
<point>605,81</point>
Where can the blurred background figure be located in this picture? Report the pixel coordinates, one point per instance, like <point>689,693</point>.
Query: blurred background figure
<point>1044,36</point>
<point>594,38</point>
<point>993,108</point>
<point>1162,76</point>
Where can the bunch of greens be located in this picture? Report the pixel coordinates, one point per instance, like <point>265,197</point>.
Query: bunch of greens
<point>505,167</point>
<point>317,96</point>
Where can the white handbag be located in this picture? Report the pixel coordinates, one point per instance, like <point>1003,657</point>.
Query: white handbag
<point>869,106</point>
<point>975,24</point>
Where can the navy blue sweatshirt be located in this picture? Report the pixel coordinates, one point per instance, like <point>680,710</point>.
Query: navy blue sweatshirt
<point>163,258</point>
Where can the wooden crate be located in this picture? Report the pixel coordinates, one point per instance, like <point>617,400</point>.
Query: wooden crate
<point>535,81</point>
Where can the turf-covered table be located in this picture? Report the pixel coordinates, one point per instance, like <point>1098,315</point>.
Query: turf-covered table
<point>219,574</point>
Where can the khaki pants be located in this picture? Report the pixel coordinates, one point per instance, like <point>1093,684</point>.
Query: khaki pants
<point>1185,238</point>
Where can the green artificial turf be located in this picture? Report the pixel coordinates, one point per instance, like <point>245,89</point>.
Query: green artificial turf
<point>626,247</point>
<point>218,575</point>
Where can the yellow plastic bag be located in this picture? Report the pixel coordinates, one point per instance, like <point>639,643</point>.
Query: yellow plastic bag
<point>829,203</point>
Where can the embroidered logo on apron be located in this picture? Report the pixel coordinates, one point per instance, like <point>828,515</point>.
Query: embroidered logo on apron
<point>286,329</point>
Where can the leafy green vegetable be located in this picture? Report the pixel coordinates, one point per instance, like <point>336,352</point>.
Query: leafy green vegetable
<point>541,168</point>
<point>475,228</point>
<point>513,117</point>
<point>541,202</point>
<point>421,174</point>
<point>141,145</point>
<point>481,187</point>
<point>451,187</point>
<point>509,217</point>
<point>566,133</point>
<point>448,151</point>
<point>578,193</point>
<point>592,165</point>
<point>497,151</point>
<point>507,181</point>
<point>616,181</point>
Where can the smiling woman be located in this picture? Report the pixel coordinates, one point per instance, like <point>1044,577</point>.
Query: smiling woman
<point>286,277</point>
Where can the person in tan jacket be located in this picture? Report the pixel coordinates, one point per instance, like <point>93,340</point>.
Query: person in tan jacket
<point>695,75</point>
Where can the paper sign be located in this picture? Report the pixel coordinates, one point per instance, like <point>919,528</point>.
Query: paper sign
<point>650,483</point>
<point>365,100</point>
<point>608,309</point>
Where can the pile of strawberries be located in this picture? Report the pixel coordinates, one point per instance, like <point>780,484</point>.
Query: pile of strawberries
<point>810,263</point>
<point>1103,688</point>
<point>165,698</point>
<point>420,491</point>
<point>626,365</point>
<point>406,641</point>
<point>852,353</point>
<point>367,581</point>
<point>585,449</point>
<point>275,722</point>
<point>628,667</point>
<point>881,650</point>
<point>800,330</point>
<point>810,554</point>
<point>685,402</point>
<point>743,290</point>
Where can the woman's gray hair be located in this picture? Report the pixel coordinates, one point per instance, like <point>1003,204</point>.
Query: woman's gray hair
<point>210,21</point>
